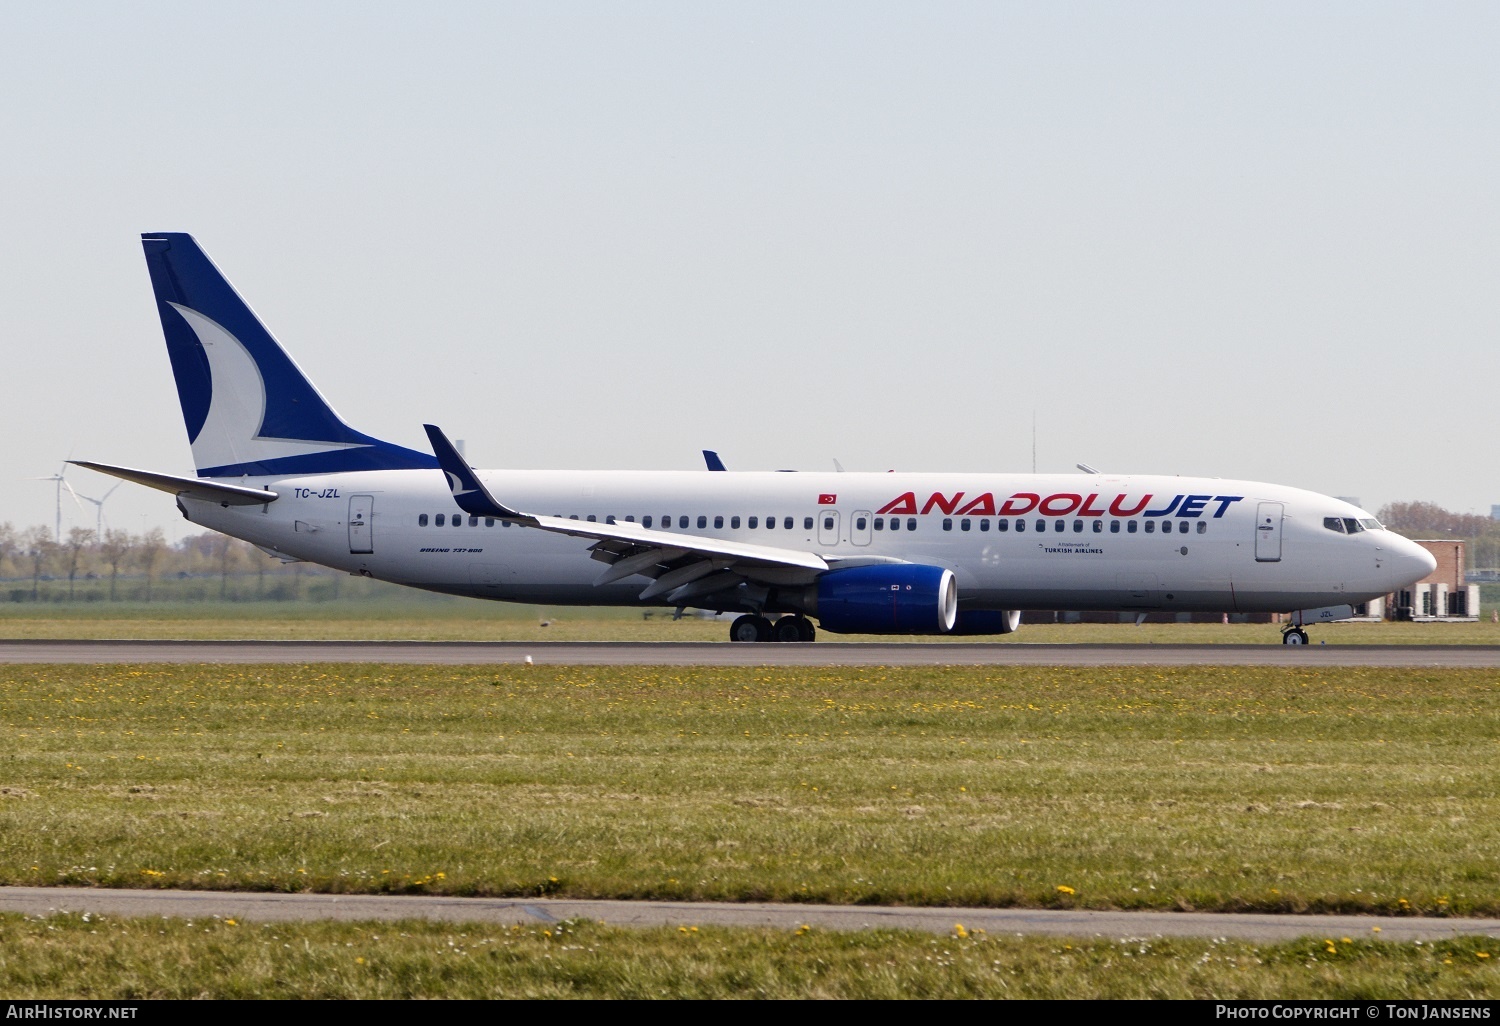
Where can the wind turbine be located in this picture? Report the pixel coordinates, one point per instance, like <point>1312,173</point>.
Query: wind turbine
<point>98,509</point>
<point>62,483</point>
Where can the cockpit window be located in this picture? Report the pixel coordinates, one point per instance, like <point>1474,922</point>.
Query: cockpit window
<point>1334,524</point>
<point>1353,526</point>
<point>1371,524</point>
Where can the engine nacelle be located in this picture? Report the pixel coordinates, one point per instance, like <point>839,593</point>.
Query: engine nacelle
<point>887,598</point>
<point>987,621</point>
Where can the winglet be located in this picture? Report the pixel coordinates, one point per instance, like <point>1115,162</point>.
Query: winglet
<point>712,459</point>
<point>470,494</point>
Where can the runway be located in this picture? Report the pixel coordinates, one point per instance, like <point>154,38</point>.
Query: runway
<point>275,907</point>
<point>822,653</point>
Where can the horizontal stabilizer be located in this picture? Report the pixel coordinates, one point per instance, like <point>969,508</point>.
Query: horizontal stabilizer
<point>192,487</point>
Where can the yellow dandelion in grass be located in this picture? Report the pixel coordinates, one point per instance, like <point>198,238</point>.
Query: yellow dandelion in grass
<point>359,961</point>
<point>1065,889</point>
<point>231,922</point>
<point>1481,954</point>
<point>1345,940</point>
<point>958,928</point>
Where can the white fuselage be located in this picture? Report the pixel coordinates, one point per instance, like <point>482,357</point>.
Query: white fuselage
<point>1013,541</point>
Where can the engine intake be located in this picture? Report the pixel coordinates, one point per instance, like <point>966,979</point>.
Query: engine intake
<point>888,598</point>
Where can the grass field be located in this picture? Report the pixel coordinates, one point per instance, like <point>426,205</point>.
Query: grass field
<point>1204,788</point>
<point>439,619</point>
<point>93,957</point>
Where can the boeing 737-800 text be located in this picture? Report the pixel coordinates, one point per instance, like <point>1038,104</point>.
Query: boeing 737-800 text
<point>886,553</point>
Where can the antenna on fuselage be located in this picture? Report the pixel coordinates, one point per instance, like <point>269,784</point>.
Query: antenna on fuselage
<point>1085,468</point>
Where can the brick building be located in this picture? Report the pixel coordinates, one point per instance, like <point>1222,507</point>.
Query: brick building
<point>1443,594</point>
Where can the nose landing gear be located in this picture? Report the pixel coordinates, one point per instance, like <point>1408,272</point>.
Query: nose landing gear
<point>1294,636</point>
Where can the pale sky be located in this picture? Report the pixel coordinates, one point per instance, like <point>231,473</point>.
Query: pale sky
<point>1240,240</point>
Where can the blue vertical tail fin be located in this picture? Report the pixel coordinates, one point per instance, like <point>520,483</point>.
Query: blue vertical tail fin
<point>249,409</point>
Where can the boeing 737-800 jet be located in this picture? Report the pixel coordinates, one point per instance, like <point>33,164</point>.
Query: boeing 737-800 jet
<point>890,553</point>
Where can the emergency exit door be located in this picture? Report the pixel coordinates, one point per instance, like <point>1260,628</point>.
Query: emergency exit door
<point>361,513</point>
<point>828,528</point>
<point>1268,532</point>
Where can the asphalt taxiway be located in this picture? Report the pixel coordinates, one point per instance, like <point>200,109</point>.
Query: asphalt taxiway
<point>673,653</point>
<point>276,907</point>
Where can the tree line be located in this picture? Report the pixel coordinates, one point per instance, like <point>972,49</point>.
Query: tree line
<point>1429,520</point>
<point>121,566</point>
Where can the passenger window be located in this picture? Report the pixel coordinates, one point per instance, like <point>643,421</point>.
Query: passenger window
<point>702,522</point>
<point>666,523</point>
<point>1003,525</point>
<point>505,523</point>
<point>646,520</point>
<point>572,516</point>
<point>734,523</point>
<point>1130,526</point>
<point>1041,526</point>
<point>592,519</point>
<point>682,522</point>
<point>947,523</point>
<point>787,523</point>
<point>1352,526</point>
<point>422,520</point>
<point>984,525</point>
<point>1114,527</point>
<point>439,520</point>
<point>770,523</point>
<point>489,521</point>
<point>1059,526</point>
<point>1078,527</point>
<point>609,519</point>
<point>880,523</point>
<point>911,523</point>
<point>1098,526</point>
<point>718,523</point>
<point>807,523</point>
<point>630,519</point>
<point>1203,527</point>
<point>1020,524</point>
<point>753,523</point>
<point>859,525</point>
<point>1151,527</point>
<point>1334,524</point>
<point>828,523</point>
<point>473,521</point>
<point>963,525</point>
<point>895,523</point>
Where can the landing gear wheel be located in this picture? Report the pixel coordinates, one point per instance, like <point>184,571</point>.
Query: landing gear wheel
<point>750,628</point>
<point>1295,636</point>
<point>792,628</point>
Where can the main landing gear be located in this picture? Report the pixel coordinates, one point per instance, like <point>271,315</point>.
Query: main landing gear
<point>1294,636</point>
<point>757,628</point>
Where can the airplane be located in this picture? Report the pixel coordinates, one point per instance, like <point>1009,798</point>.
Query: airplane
<point>860,553</point>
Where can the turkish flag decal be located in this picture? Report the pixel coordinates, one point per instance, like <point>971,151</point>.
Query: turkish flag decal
<point>828,499</point>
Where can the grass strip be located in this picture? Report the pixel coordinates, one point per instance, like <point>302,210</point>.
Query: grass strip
<point>1228,789</point>
<point>473,620</point>
<point>94,957</point>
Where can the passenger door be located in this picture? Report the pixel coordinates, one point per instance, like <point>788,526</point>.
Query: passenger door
<point>361,516</point>
<point>1268,532</point>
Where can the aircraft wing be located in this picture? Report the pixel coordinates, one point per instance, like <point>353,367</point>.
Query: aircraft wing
<point>683,566</point>
<point>193,488</point>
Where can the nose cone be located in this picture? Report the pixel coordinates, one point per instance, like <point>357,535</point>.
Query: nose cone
<point>1408,562</point>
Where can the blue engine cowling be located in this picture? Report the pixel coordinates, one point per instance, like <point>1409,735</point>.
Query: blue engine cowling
<point>888,598</point>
